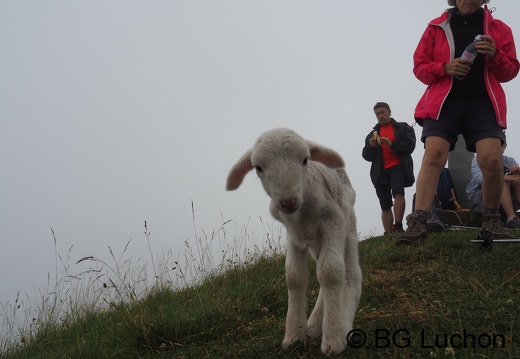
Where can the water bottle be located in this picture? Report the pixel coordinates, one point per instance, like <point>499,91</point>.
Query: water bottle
<point>470,52</point>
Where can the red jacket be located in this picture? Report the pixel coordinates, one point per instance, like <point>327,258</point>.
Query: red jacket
<point>436,48</point>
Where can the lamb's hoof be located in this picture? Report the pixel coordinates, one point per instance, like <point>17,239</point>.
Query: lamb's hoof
<point>333,347</point>
<point>297,346</point>
<point>292,341</point>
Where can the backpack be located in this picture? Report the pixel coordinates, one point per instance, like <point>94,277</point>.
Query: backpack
<point>436,220</point>
<point>446,191</point>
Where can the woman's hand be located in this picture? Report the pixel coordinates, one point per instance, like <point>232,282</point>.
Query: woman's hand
<point>486,46</point>
<point>458,67</point>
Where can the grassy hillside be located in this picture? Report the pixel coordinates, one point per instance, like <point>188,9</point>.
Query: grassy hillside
<point>444,298</point>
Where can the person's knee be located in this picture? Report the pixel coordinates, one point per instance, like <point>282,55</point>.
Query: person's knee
<point>433,158</point>
<point>491,165</point>
<point>490,162</point>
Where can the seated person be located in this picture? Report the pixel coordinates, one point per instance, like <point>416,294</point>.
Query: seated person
<point>509,200</point>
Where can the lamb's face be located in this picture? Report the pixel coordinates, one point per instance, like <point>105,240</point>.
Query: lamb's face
<point>281,165</point>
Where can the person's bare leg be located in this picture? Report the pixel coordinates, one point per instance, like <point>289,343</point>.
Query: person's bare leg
<point>387,218</point>
<point>506,201</point>
<point>515,193</point>
<point>399,207</point>
<point>434,159</point>
<point>489,159</point>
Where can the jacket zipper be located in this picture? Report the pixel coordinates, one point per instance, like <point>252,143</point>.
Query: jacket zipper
<point>488,83</point>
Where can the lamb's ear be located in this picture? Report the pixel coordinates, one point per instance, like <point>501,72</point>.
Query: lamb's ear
<point>325,155</point>
<point>239,171</point>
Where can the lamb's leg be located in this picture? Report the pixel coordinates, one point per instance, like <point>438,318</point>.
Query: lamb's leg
<point>297,276</point>
<point>353,283</point>
<point>331,276</point>
<point>352,294</point>
<point>315,322</point>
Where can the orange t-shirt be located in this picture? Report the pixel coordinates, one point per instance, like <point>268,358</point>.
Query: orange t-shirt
<point>390,159</point>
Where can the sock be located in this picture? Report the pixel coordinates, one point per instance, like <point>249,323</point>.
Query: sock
<point>423,214</point>
<point>489,211</point>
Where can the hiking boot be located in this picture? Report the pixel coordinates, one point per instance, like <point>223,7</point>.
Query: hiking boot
<point>397,228</point>
<point>513,223</point>
<point>492,224</point>
<point>416,230</point>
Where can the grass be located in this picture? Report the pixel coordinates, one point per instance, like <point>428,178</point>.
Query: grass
<point>444,298</point>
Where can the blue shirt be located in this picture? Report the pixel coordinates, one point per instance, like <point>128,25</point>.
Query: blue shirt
<point>476,174</point>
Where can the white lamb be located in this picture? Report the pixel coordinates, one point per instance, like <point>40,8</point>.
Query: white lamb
<point>312,196</point>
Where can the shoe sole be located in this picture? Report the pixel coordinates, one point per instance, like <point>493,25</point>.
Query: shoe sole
<point>408,241</point>
<point>497,236</point>
<point>404,242</point>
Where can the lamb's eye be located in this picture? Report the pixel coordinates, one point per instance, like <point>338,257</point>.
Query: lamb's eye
<point>259,169</point>
<point>305,162</point>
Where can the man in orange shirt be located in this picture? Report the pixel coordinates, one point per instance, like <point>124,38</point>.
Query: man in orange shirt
<point>389,147</point>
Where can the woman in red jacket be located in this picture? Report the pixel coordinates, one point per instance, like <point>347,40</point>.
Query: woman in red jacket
<point>462,97</point>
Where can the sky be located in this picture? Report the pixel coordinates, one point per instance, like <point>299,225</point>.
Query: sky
<point>114,113</point>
